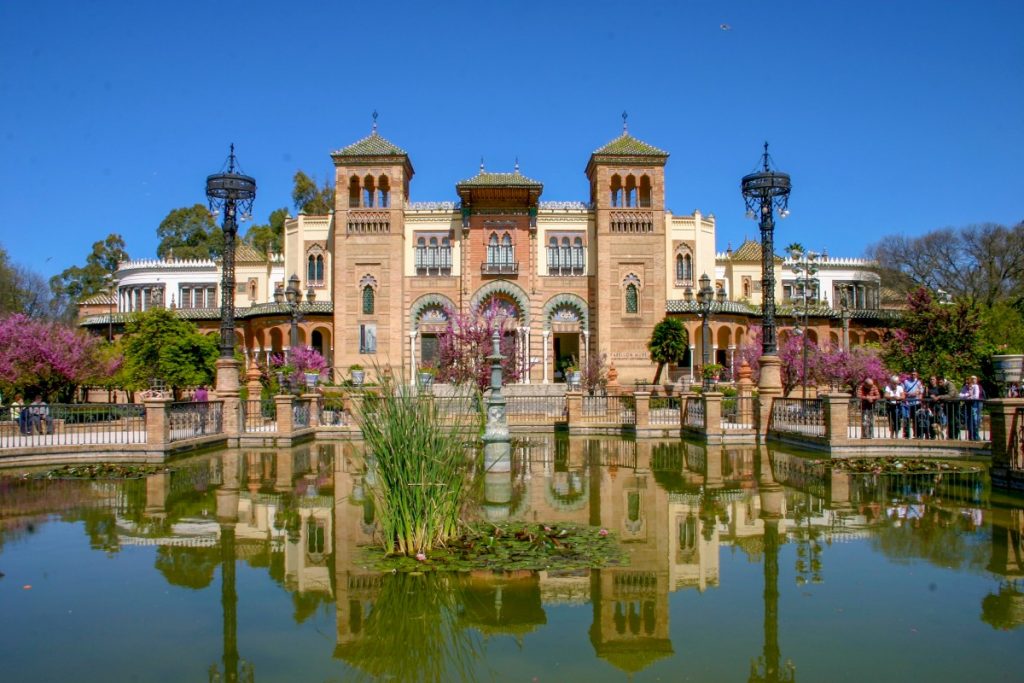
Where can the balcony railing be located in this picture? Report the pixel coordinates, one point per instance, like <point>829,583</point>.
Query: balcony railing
<point>504,268</point>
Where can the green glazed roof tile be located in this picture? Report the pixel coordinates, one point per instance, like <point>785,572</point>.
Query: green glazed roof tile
<point>371,145</point>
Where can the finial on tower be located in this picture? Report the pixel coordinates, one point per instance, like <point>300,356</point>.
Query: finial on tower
<point>481,164</point>
<point>375,115</point>
<point>517,166</point>
<point>625,128</point>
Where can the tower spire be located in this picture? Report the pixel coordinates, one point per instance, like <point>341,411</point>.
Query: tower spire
<point>625,127</point>
<point>375,115</point>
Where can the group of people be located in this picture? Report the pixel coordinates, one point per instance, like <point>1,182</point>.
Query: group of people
<point>934,410</point>
<point>33,418</point>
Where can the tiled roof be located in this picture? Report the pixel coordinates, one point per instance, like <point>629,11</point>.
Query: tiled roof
<point>627,145</point>
<point>247,254</point>
<point>371,145</point>
<point>750,251</point>
<point>317,307</point>
<point>683,306</point>
<point>783,311</point>
<point>305,308</point>
<point>101,299</point>
<point>486,179</point>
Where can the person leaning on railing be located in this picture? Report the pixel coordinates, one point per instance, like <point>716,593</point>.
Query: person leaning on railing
<point>973,395</point>
<point>894,407</point>
<point>868,394</point>
<point>39,414</point>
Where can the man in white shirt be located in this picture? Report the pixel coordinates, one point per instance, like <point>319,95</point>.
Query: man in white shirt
<point>894,398</point>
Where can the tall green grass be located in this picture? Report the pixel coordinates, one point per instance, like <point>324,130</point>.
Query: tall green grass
<point>419,457</point>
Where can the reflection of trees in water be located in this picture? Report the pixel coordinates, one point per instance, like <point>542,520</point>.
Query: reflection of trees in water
<point>942,536</point>
<point>414,633</point>
<point>188,567</point>
<point>1004,611</point>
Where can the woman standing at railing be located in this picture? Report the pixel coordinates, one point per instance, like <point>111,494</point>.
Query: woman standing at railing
<point>868,394</point>
<point>973,394</point>
<point>894,396</point>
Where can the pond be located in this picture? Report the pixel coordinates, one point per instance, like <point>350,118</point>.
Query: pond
<point>744,564</point>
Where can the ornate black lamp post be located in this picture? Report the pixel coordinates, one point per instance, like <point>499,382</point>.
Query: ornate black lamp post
<point>291,295</point>
<point>765,193</point>
<point>706,306</point>
<point>844,314</point>
<point>231,192</point>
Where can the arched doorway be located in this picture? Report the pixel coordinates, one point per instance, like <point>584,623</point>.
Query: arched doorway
<point>566,323</point>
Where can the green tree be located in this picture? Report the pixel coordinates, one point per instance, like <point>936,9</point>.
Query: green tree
<point>938,338</point>
<point>189,233</point>
<point>159,345</point>
<point>23,290</point>
<point>77,283</point>
<point>309,198</point>
<point>669,343</point>
<point>1002,327</point>
<point>269,238</point>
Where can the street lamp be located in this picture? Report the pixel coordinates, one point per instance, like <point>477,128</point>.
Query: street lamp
<point>706,305</point>
<point>844,314</point>
<point>229,191</point>
<point>766,192</point>
<point>806,267</point>
<point>291,295</point>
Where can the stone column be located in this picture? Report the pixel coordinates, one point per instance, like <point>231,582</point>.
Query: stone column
<point>713,414</point>
<point>158,486</point>
<point>284,414</point>
<point>643,409</point>
<point>586,347</point>
<point>227,391</point>
<point>574,406</point>
<point>526,359</point>
<point>837,417</point>
<point>732,362</point>
<point>1002,414</point>
<point>546,334</point>
<point>744,394</point>
<point>693,350</point>
<point>158,427</point>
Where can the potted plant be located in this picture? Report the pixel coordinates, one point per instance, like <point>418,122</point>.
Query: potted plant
<point>358,374</point>
<point>427,375</point>
<point>712,372</point>
<point>573,376</point>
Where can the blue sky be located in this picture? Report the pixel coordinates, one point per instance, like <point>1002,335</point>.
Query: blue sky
<point>891,117</point>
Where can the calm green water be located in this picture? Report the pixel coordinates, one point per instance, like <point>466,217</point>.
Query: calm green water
<point>242,564</point>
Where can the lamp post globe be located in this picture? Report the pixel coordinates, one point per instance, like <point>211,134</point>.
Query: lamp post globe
<point>231,192</point>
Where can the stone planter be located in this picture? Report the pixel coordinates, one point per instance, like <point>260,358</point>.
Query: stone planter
<point>426,380</point>
<point>358,377</point>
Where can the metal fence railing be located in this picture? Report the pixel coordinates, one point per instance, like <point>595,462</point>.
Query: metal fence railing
<point>804,416</point>
<point>259,415</point>
<point>189,419</point>
<point>61,424</point>
<point>952,419</point>
<point>529,408</point>
<point>738,412</point>
<point>301,409</point>
<point>664,409</point>
<point>333,412</point>
<point>613,409</point>
<point>694,416</point>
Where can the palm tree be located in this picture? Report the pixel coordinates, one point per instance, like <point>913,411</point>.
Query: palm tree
<point>795,249</point>
<point>669,343</point>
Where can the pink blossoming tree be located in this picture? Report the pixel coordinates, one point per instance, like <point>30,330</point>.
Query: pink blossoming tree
<point>466,343</point>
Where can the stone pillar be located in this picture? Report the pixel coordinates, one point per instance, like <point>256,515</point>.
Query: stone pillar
<point>769,387</point>
<point>284,414</point>
<point>713,414</point>
<point>586,347</point>
<point>574,406</point>
<point>314,408</point>
<point>227,391</point>
<point>837,417</point>
<point>693,350</point>
<point>732,362</point>
<point>1002,414</point>
<point>526,360</point>
<point>158,427</point>
<point>158,486</point>
<point>546,334</point>
<point>613,388</point>
<point>643,409</point>
<point>252,380</point>
<point>744,394</point>
<point>285,470</point>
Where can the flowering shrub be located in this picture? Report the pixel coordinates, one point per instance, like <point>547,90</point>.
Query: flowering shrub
<point>303,359</point>
<point>466,344</point>
<point>51,359</point>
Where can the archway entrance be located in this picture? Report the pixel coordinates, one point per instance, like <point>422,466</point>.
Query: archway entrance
<point>566,352</point>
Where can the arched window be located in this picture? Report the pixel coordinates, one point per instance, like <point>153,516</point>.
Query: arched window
<point>645,192</point>
<point>630,191</point>
<point>616,188</point>
<point>446,255</point>
<point>679,267</point>
<point>353,192</point>
<point>421,253</point>
<point>368,187</point>
<point>492,248</point>
<point>687,267</point>
<point>368,300</point>
<point>311,269</point>
<point>632,299</point>
<point>383,192</point>
<point>432,260</point>
<point>566,253</point>
<point>506,249</point>
<point>553,256</point>
<point>577,253</point>
<point>319,268</point>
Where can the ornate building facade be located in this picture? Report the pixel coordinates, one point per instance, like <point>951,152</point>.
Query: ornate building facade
<point>382,275</point>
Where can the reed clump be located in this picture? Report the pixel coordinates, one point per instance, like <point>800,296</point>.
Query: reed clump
<point>418,457</point>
